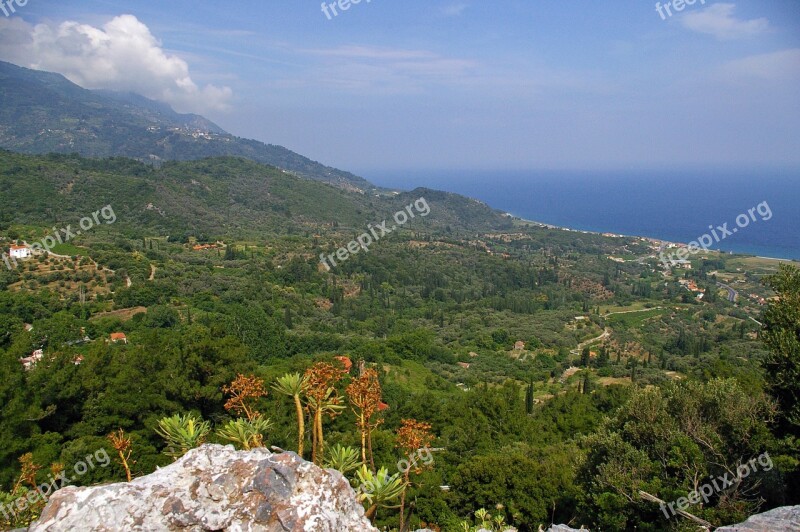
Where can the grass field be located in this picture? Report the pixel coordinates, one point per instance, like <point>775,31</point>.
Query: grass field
<point>68,249</point>
<point>634,318</point>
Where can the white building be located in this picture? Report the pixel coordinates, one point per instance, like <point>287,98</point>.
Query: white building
<point>20,252</point>
<point>29,362</point>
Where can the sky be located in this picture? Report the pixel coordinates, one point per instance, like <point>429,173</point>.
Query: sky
<point>390,85</point>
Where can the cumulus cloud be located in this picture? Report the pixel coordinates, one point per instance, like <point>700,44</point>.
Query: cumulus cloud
<point>121,55</point>
<point>719,20</point>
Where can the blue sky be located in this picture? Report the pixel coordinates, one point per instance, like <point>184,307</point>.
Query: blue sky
<point>413,84</point>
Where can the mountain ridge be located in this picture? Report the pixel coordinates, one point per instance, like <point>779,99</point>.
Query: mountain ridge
<point>44,112</point>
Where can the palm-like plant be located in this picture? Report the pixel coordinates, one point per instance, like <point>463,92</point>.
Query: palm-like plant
<point>245,434</point>
<point>321,398</point>
<point>343,459</point>
<point>294,385</point>
<point>379,489</point>
<point>182,433</point>
<point>328,405</point>
<point>364,394</point>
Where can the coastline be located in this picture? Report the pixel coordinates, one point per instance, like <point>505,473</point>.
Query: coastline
<point>649,238</point>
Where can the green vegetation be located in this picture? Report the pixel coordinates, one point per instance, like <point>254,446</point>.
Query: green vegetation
<point>598,404</point>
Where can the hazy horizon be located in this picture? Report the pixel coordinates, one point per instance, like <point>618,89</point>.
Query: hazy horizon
<point>452,83</point>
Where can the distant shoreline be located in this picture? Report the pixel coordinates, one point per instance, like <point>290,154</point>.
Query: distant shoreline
<point>652,239</point>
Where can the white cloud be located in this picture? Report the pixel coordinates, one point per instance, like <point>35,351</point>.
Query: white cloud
<point>718,20</point>
<point>773,67</point>
<point>454,10</point>
<point>121,55</point>
<point>365,68</point>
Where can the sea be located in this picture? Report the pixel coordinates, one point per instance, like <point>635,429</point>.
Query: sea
<point>761,208</point>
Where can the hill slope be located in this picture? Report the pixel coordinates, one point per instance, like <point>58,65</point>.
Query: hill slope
<point>43,112</point>
<point>216,197</point>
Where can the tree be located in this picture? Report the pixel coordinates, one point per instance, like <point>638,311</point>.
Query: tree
<point>781,334</point>
<point>586,356</point>
<point>294,385</point>
<point>529,398</point>
<point>321,398</point>
<point>412,436</point>
<point>668,442</point>
<point>364,394</point>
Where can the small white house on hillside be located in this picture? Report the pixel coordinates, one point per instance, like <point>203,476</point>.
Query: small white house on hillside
<point>19,252</point>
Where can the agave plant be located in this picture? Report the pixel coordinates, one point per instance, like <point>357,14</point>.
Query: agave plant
<point>245,434</point>
<point>379,489</point>
<point>182,433</point>
<point>343,459</point>
<point>484,517</point>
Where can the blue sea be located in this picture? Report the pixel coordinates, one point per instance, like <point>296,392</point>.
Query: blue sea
<point>674,206</point>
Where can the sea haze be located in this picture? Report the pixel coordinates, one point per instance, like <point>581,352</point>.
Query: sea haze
<point>675,206</point>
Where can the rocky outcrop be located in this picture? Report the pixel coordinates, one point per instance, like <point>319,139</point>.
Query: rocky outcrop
<point>214,488</point>
<point>785,519</point>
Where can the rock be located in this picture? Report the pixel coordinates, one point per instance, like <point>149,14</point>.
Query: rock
<point>785,519</point>
<point>214,487</point>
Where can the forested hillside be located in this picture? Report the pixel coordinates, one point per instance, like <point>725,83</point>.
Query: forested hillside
<point>554,374</point>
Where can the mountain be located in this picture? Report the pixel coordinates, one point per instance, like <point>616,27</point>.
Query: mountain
<point>43,112</point>
<point>216,197</point>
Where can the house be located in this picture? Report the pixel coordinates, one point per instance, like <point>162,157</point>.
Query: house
<point>346,362</point>
<point>519,346</point>
<point>119,337</point>
<point>19,252</point>
<point>382,406</point>
<point>29,362</point>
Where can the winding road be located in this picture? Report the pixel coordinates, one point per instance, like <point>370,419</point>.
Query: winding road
<point>733,295</point>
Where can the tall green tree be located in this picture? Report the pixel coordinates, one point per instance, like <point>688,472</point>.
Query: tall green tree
<point>782,335</point>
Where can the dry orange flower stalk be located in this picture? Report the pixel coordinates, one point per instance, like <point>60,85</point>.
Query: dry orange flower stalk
<point>244,391</point>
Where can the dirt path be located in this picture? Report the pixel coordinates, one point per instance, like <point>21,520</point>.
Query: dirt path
<point>152,272</point>
<point>577,351</point>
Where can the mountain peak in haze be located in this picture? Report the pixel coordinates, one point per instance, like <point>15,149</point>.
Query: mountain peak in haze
<point>44,112</point>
